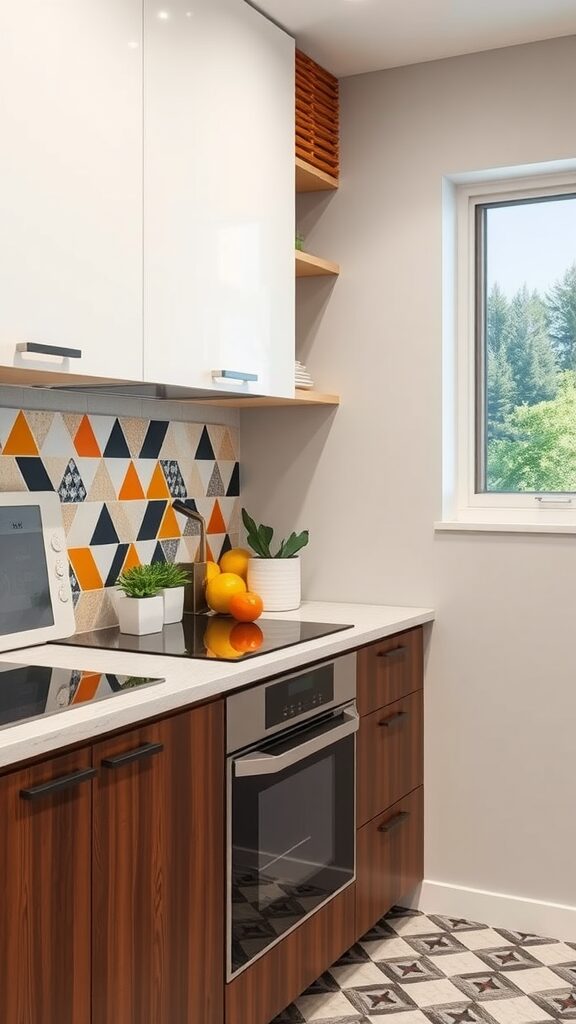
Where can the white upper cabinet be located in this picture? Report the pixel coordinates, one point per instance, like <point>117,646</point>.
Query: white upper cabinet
<point>71,185</point>
<point>218,197</point>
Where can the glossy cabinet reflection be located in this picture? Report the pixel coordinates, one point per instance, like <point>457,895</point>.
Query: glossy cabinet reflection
<point>218,197</point>
<point>71,196</point>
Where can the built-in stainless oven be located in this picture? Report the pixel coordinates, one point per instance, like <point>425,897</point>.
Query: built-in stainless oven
<point>291,803</point>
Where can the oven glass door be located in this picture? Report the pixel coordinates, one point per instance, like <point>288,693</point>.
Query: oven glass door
<point>292,833</point>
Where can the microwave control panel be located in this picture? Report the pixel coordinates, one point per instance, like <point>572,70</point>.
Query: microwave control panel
<point>299,694</point>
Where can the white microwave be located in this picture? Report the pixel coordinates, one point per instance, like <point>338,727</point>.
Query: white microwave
<point>35,596</point>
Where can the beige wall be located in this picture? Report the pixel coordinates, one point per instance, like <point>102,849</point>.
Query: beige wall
<point>501,683</point>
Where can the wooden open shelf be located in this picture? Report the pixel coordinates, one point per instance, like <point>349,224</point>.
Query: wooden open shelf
<point>253,402</point>
<point>314,266</point>
<point>312,179</point>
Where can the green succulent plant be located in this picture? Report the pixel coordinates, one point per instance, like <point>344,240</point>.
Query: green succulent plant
<point>140,581</point>
<point>260,538</point>
<point>170,575</point>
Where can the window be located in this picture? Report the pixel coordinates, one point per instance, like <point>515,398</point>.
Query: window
<point>515,344</point>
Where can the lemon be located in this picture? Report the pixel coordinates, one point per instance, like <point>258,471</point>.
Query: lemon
<point>220,589</point>
<point>236,561</point>
<point>212,570</point>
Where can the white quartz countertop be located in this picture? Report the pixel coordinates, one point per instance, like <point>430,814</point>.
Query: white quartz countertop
<point>186,681</point>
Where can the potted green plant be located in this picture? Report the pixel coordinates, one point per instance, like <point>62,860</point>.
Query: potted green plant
<point>172,579</point>
<point>275,577</point>
<point>141,610</point>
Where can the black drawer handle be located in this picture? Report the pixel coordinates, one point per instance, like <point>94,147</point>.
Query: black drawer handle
<point>64,782</point>
<point>393,719</point>
<point>395,655</point>
<point>49,350</point>
<point>393,823</point>
<point>147,750</point>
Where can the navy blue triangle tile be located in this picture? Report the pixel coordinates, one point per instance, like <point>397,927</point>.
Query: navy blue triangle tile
<point>117,563</point>
<point>154,439</point>
<point>205,449</point>
<point>234,485</point>
<point>191,503</point>
<point>227,545</point>
<point>105,531</point>
<point>158,555</point>
<point>152,519</point>
<point>35,476</point>
<point>117,447</point>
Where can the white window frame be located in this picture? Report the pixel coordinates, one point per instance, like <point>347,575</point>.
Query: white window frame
<point>464,506</point>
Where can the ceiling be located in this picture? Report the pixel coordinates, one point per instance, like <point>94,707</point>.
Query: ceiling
<point>350,37</point>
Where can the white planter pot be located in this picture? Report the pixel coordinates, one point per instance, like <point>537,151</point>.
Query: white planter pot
<point>173,598</point>
<point>141,615</point>
<point>277,580</point>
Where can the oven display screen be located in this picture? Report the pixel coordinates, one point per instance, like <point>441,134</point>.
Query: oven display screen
<point>25,601</point>
<point>303,693</point>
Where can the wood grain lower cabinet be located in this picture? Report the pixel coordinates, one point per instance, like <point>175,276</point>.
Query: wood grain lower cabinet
<point>389,669</point>
<point>158,870</point>
<point>45,857</point>
<point>390,755</point>
<point>390,859</point>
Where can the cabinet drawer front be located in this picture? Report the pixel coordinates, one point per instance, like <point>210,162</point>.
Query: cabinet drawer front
<point>390,755</point>
<point>390,859</point>
<point>389,669</point>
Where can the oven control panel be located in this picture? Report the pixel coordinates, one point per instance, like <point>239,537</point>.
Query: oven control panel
<point>299,694</point>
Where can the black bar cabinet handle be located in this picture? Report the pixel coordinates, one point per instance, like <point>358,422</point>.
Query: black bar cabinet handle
<point>147,750</point>
<point>394,655</point>
<point>393,719</point>
<point>64,782</point>
<point>393,823</point>
<point>49,350</point>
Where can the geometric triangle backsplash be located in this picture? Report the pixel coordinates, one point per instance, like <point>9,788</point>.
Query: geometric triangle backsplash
<point>117,478</point>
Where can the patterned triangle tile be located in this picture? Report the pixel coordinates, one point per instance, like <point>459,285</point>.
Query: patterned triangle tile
<point>20,440</point>
<point>40,423</point>
<point>184,449</point>
<point>226,451</point>
<point>216,522</point>
<point>55,467</point>
<point>192,528</point>
<point>102,428</point>
<point>124,528</point>
<point>72,421</point>
<point>169,449</point>
<point>134,430</point>
<point>85,568</point>
<point>131,489</point>
<point>192,479</point>
<point>145,549</point>
<point>84,524</point>
<point>117,469</point>
<point>116,446</point>
<point>193,432</point>
<point>11,478</point>
<point>170,549</point>
<point>85,441</point>
<point>216,433</point>
<point>102,488</point>
<point>169,528</point>
<point>157,488</point>
<point>7,420</point>
<point>104,531</point>
<point>104,555</point>
<point>215,486</point>
<point>205,469</point>
<point>174,478</point>
<point>95,611</point>
<point>131,558</point>
<point>205,449</point>
<point>71,487</point>
<point>58,441</point>
<point>68,516</point>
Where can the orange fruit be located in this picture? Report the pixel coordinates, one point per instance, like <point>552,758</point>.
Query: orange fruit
<point>246,637</point>
<point>220,589</point>
<point>246,607</point>
<point>236,560</point>
<point>217,638</point>
<point>212,570</point>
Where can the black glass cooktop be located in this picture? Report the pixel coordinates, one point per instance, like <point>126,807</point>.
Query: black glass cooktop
<point>210,636</point>
<point>33,691</point>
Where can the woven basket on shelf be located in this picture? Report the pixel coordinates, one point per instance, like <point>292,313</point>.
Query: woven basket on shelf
<point>317,115</point>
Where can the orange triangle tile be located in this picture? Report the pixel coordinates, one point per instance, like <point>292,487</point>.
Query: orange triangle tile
<point>85,569</point>
<point>87,687</point>
<point>158,487</point>
<point>209,553</point>
<point>216,524</point>
<point>131,559</point>
<point>131,489</point>
<point>20,440</point>
<point>85,441</point>
<point>169,528</point>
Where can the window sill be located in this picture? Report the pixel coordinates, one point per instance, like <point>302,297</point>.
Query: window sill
<point>458,526</point>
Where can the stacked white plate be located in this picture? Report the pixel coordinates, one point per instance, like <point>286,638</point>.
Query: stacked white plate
<point>303,379</point>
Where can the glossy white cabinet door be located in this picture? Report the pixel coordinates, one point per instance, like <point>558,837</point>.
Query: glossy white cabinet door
<point>218,196</point>
<point>71,184</point>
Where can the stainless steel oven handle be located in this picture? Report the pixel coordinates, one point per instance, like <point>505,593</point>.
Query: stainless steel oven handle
<point>258,762</point>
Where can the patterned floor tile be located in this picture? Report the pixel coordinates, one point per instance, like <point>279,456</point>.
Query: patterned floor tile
<point>541,979</point>
<point>553,953</point>
<point>457,963</point>
<point>520,1010</point>
<point>483,938</point>
<point>379,999</point>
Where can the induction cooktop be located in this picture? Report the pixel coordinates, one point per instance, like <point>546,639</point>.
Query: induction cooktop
<point>210,637</point>
<point>34,691</point>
